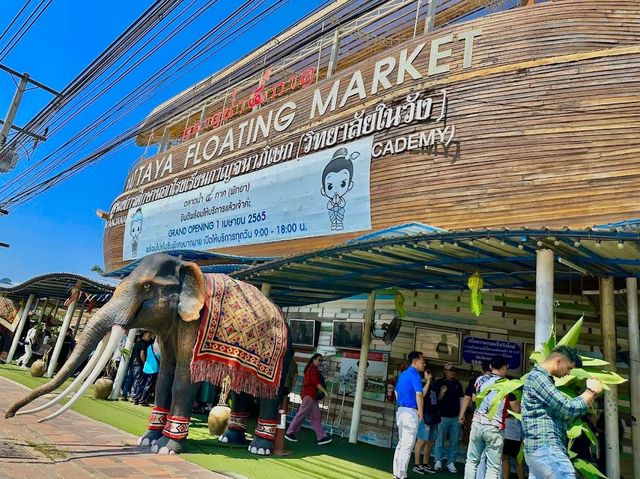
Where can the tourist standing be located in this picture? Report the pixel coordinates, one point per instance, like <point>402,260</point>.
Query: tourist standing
<point>29,345</point>
<point>410,397</point>
<point>138,358</point>
<point>487,434</point>
<point>449,393</point>
<point>149,374</point>
<point>469,392</point>
<point>546,411</point>
<point>312,385</point>
<point>428,428</point>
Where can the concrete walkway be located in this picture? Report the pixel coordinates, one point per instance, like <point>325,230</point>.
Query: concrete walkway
<point>73,446</point>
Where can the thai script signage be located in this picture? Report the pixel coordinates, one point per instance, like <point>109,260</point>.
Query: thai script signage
<point>260,96</point>
<point>248,136</point>
<point>476,350</point>
<point>318,194</point>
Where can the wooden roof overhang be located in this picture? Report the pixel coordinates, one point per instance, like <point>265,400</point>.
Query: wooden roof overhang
<point>444,261</point>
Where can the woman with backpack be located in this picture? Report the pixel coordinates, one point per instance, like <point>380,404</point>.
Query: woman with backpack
<point>313,390</point>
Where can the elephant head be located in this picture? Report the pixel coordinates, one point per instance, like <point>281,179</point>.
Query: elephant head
<point>159,295</point>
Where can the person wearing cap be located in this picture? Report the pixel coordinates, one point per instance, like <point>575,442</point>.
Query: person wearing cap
<point>546,412</point>
<point>449,393</point>
<point>410,395</point>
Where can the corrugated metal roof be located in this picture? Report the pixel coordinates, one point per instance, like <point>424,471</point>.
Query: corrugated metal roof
<point>400,231</point>
<point>57,286</point>
<point>445,260</point>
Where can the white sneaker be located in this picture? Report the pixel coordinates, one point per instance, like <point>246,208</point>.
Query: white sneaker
<point>452,468</point>
<point>438,466</point>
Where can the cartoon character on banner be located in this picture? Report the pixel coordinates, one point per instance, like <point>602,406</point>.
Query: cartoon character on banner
<point>135,230</point>
<point>337,181</point>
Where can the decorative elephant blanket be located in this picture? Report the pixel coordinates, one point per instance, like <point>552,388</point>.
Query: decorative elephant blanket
<point>243,335</point>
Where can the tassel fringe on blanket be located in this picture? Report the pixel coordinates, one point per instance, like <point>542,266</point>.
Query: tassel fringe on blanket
<point>242,335</point>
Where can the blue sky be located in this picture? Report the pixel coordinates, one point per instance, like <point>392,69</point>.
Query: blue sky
<point>59,230</point>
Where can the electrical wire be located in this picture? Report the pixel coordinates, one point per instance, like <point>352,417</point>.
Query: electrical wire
<point>168,112</point>
<point>15,19</point>
<point>24,28</point>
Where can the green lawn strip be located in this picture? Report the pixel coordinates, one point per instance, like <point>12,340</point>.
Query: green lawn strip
<point>308,460</point>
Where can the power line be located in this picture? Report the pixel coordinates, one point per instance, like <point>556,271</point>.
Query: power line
<point>24,28</point>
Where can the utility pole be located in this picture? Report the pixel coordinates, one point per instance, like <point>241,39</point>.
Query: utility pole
<point>8,154</point>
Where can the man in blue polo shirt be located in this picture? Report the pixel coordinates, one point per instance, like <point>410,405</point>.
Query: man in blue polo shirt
<point>409,394</point>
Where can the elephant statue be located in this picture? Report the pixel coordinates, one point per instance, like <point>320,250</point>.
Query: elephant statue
<point>209,327</point>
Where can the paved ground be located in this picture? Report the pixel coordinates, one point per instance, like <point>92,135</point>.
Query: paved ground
<point>73,446</point>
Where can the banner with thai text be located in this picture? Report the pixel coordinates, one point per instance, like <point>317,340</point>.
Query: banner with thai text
<point>319,194</point>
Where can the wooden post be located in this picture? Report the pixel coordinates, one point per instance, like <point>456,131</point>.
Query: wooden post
<point>608,320</point>
<point>266,289</point>
<point>544,296</point>
<point>77,326</point>
<point>24,314</point>
<point>122,367</point>
<point>333,58</point>
<point>362,369</point>
<point>44,307</point>
<point>55,311</point>
<point>55,355</point>
<point>526,3</point>
<point>634,376</point>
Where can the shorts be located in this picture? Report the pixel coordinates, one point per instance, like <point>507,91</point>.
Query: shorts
<point>427,433</point>
<point>511,448</point>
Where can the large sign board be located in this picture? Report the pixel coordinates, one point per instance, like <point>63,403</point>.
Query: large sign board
<point>319,194</point>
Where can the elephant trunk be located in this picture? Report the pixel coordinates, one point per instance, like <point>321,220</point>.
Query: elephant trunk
<point>96,329</point>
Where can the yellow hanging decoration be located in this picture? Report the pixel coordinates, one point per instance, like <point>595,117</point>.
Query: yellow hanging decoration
<point>475,284</point>
<point>399,300</point>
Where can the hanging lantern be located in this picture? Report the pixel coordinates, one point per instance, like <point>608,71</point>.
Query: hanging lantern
<point>475,284</point>
<point>399,300</point>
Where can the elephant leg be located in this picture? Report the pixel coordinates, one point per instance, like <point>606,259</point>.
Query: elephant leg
<point>268,421</point>
<point>162,406</point>
<point>237,425</point>
<point>183,392</point>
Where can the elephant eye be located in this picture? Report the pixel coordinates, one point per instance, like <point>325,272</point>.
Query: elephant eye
<point>147,286</point>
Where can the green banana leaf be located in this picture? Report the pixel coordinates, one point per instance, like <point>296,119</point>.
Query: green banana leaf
<point>571,337</point>
<point>580,428</point>
<point>587,470</point>
<point>503,387</point>
<point>588,362</point>
<point>605,377</point>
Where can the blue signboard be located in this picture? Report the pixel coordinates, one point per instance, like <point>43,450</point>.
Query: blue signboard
<point>476,350</point>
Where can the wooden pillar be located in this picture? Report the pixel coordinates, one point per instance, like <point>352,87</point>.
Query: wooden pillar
<point>333,58</point>
<point>55,355</point>
<point>544,296</point>
<point>525,3</point>
<point>611,424</point>
<point>24,314</point>
<point>79,320</point>
<point>362,369</point>
<point>124,364</point>
<point>55,310</point>
<point>44,307</point>
<point>634,376</point>
<point>266,289</point>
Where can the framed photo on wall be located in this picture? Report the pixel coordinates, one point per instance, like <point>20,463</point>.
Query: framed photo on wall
<point>304,332</point>
<point>347,334</point>
<point>438,345</point>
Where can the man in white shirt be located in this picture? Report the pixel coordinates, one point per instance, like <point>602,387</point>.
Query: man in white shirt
<point>29,343</point>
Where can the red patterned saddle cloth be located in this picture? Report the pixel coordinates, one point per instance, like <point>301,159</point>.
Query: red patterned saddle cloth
<point>242,334</point>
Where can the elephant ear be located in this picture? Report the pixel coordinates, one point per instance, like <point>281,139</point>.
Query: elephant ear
<point>192,294</point>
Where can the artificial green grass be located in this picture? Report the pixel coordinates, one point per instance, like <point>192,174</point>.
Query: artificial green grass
<point>338,460</point>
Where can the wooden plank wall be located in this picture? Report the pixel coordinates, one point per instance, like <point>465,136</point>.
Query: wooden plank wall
<point>547,115</point>
<point>508,315</point>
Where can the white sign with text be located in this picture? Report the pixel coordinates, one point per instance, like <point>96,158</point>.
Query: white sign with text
<point>319,194</point>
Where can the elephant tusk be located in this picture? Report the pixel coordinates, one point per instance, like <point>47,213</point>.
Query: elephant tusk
<point>81,377</point>
<point>116,334</point>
